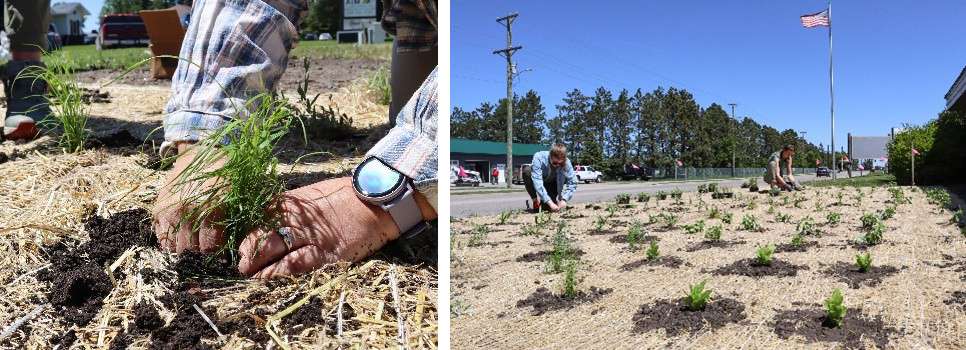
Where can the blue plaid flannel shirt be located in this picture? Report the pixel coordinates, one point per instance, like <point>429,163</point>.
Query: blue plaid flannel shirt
<point>239,48</point>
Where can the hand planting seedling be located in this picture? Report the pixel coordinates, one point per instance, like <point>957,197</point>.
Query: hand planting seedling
<point>863,261</point>
<point>763,255</point>
<point>696,227</point>
<point>65,98</point>
<point>727,218</point>
<point>635,235</point>
<point>623,198</point>
<point>713,234</point>
<point>806,226</point>
<point>652,251</point>
<point>833,218</point>
<point>750,223</point>
<point>783,217</point>
<point>697,297</point>
<point>834,310</point>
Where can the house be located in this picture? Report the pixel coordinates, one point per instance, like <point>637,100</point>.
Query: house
<point>956,97</point>
<point>68,20</point>
<point>483,156</point>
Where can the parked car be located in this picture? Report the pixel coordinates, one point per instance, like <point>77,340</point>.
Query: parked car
<point>472,178</point>
<point>91,38</point>
<point>586,173</point>
<point>54,41</point>
<point>310,36</point>
<point>823,171</point>
<point>636,172</point>
<point>121,30</point>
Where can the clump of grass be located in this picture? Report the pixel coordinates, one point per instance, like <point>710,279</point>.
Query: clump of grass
<point>65,98</point>
<point>379,84</point>
<point>752,203</point>
<point>695,227</point>
<point>635,235</point>
<point>623,198</point>
<point>562,251</point>
<point>797,240</point>
<point>697,297</point>
<point>838,198</point>
<point>728,218</point>
<point>643,197</point>
<point>713,233</point>
<point>806,226</point>
<point>505,216</point>
<point>863,261</point>
<point>319,122</point>
<point>529,230</point>
<point>247,183</point>
<point>763,255</point>
<point>868,220</point>
<point>478,234</point>
<point>599,223</point>
<point>570,278</point>
<point>834,310</point>
<point>750,223</point>
<point>833,218</point>
<point>714,213</point>
<point>783,217</point>
<point>670,220</point>
<point>887,213</point>
<point>612,210</point>
<point>652,251</point>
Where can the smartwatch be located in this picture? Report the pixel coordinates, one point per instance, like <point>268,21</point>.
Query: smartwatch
<point>381,185</point>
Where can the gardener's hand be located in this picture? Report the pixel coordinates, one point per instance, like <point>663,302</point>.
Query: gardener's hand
<point>553,206</point>
<point>327,223</point>
<point>562,205</point>
<point>174,231</point>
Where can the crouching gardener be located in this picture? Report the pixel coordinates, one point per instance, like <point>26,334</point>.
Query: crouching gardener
<point>550,180</point>
<point>779,171</point>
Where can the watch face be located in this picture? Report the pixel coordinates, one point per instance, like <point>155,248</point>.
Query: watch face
<point>375,179</point>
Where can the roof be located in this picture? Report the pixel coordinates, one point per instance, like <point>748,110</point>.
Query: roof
<point>866,147</point>
<point>490,147</point>
<point>66,8</point>
<point>956,91</point>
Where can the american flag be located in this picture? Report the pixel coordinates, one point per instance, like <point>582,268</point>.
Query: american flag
<point>915,152</point>
<point>816,20</point>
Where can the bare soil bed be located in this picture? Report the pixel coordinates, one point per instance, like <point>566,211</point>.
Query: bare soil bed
<point>913,297</point>
<point>80,266</point>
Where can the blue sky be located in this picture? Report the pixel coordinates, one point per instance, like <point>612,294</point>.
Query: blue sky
<point>94,6</point>
<point>894,59</point>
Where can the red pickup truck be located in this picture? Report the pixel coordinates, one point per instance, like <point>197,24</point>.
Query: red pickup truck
<point>121,30</point>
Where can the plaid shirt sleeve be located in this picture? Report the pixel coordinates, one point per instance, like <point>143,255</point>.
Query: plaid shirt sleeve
<point>235,49</point>
<point>411,146</point>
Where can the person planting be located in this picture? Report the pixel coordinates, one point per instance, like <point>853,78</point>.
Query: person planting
<point>26,104</point>
<point>778,173</point>
<point>550,180</point>
<point>391,193</point>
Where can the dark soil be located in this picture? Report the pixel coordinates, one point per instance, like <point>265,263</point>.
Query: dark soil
<point>543,301</point>
<point>194,264</point>
<point>711,244</point>
<point>850,274</point>
<point>146,320</point>
<point>603,232</point>
<point>622,239</point>
<point>663,260</point>
<point>751,268</point>
<point>185,331</point>
<point>675,318</point>
<point>95,96</point>
<point>788,247</point>
<point>118,139</point>
<point>542,256</point>
<point>957,298</point>
<point>813,326</point>
<point>77,294</point>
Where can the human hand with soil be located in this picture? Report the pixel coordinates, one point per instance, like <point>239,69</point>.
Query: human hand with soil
<point>327,223</point>
<point>170,212</point>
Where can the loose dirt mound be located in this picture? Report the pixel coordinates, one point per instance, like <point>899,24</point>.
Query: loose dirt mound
<point>751,268</point>
<point>542,256</point>
<point>674,318</point>
<point>811,324</point>
<point>666,261</point>
<point>850,274</point>
<point>543,301</point>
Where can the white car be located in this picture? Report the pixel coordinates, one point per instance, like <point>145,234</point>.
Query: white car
<point>587,174</point>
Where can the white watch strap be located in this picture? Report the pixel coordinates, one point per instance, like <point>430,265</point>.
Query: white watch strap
<point>404,211</point>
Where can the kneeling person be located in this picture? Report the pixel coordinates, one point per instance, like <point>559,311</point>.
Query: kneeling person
<point>550,180</point>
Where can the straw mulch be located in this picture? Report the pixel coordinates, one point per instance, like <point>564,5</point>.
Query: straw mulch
<point>917,302</point>
<point>45,195</point>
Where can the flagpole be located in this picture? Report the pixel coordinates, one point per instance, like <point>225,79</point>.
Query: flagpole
<point>831,89</point>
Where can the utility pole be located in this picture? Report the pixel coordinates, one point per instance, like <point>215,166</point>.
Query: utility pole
<point>801,148</point>
<point>507,52</point>
<point>734,139</point>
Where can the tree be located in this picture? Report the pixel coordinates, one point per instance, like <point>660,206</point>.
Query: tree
<point>322,17</point>
<point>133,6</point>
<point>619,124</point>
<point>572,114</point>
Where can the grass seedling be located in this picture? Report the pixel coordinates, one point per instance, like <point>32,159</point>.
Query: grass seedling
<point>562,250</point>
<point>863,261</point>
<point>833,218</point>
<point>750,223</point>
<point>834,310</point>
<point>713,234</point>
<point>698,297</point>
<point>541,219</point>
<point>530,230</point>
<point>599,223</point>
<point>505,216</point>
<point>806,226</point>
<point>957,216</point>
<point>783,217</point>
<point>752,204</point>
<point>713,187</point>
<point>570,278</point>
<point>728,218</point>
<point>898,197</point>
<point>612,210</point>
<point>670,220</point>
<point>797,240</point>
<point>696,227</point>
<point>714,213</point>
<point>69,113</point>
<point>643,197</point>
<point>623,198</point>
<point>703,188</point>
<point>676,194</point>
<point>652,251</point>
<point>478,235</point>
<point>763,255</point>
<point>874,235</point>
<point>838,198</point>
<point>661,195</point>
<point>635,236</point>
<point>887,213</point>
<point>379,84</point>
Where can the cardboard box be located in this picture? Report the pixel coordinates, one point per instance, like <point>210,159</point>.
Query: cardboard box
<point>166,34</point>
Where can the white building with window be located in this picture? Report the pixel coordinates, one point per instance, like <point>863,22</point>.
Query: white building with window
<point>68,18</point>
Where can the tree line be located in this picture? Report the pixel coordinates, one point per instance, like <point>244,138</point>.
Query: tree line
<point>653,129</point>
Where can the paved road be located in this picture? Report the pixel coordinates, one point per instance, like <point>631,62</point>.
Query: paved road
<point>463,205</point>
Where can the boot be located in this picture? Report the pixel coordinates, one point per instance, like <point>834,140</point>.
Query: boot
<point>26,101</point>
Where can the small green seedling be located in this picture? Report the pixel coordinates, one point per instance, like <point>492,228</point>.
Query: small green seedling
<point>728,218</point>
<point>652,251</point>
<point>863,261</point>
<point>698,297</point>
<point>635,236</point>
<point>530,230</point>
<point>599,223</point>
<point>834,310</point>
<point>797,240</point>
<point>623,198</point>
<point>714,213</point>
<point>696,227</point>
<point>562,251</point>
<point>570,278</point>
<point>874,235</point>
<point>670,220</point>
<point>750,223</point>
<point>505,216</point>
<point>542,218</point>
<point>774,192</point>
<point>612,210</point>
<point>703,188</point>
<point>643,197</point>
<point>713,187</point>
<point>869,220</point>
<point>713,233</point>
<point>957,216</point>
<point>752,203</point>
<point>677,194</point>
<point>898,197</point>
<point>938,196</point>
<point>661,195</point>
<point>783,217</point>
<point>838,198</point>
<point>763,255</point>
<point>478,235</point>
<point>887,213</point>
<point>806,226</point>
<point>833,218</point>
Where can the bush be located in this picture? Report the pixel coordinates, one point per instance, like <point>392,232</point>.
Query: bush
<point>945,161</point>
<point>713,233</point>
<point>643,197</point>
<point>623,198</point>
<point>834,310</point>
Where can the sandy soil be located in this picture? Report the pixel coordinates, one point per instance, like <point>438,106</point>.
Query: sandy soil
<point>45,195</point>
<point>917,302</point>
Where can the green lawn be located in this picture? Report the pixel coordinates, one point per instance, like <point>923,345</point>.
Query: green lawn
<point>879,179</point>
<point>86,57</point>
<point>331,49</point>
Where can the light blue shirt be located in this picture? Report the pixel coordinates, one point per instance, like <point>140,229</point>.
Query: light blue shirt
<point>541,170</point>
